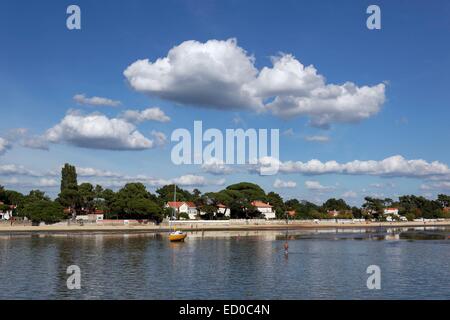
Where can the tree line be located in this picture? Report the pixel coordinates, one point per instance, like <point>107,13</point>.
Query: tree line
<point>134,201</point>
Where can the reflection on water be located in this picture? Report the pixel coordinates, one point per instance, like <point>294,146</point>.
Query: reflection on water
<point>322,263</point>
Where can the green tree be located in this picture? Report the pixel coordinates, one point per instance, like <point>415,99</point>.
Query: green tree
<point>278,204</point>
<point>335,204</point>
<point>444,200</point>
<point>86,194</point>
<point>166,194</point>
<point>133,201</point>
<point>43,210</point>
<point>38,207</point>
<point>374,207</point>
<point>68,196</point>
<point>250,191</point>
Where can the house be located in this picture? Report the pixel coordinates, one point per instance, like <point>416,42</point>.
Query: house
<point>291,213</point>
<point>265,208</point>
<point>223,209</point>
<point>187,207</point>
<point>8,213</point>
<point>333,213</point>
<point>98,215</point>
<point>393,211</point>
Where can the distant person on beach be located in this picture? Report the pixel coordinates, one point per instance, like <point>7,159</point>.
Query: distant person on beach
<point>286,248</point>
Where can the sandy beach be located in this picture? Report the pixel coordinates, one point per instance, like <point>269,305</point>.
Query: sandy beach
<point>213,226</point>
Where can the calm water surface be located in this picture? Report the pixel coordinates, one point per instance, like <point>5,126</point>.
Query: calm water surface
<point>321,264</point>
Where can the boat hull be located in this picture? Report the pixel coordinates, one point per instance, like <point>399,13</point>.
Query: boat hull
<point>177,237</point>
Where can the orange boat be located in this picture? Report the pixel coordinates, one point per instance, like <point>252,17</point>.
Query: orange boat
<point>177,236</point>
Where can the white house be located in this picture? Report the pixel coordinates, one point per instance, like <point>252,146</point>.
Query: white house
<point>264,208</point>
<point>187,207</point>
<point>393,211</point>
<point>6,214</point>
<point>223,209</point>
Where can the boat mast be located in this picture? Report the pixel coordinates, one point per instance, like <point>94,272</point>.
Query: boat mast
<point>174,196</point>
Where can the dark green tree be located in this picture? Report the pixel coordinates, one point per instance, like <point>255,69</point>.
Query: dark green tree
<point>43,210</point>
<point>166,194</point>
<point>278,204</point>
<point>68,196</point>
<point>86,194</point>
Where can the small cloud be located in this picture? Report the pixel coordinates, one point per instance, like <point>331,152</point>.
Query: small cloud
<point>16,134</point>
<point>442,185</point>
<point>160,138</point>
<point>216,166</point>
<point>36,142</point>
<point>317,138</point>
<point>349,194</point>
<point>288,132</point>
<point>402,120</point>
<point>316,186</point>
<point>95,101</point>
<point>45,182</point>
<point>237,120</point>
<point>4,146</point>
<point>149,114</point>
<point>284,184</point>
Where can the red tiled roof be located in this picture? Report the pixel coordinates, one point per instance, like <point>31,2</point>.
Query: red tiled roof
<point>177,204</point>
<point>260,204</point>
<point>291,213</point>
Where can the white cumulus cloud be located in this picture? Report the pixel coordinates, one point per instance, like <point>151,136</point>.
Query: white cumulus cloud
<point>211,74</point>
<point>97,131</point>
<point>395,166</point>
<point>220,74</point>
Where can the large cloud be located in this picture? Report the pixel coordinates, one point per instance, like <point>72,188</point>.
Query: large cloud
<point>212,74</point>
<point>97,131</point>
<point>395,166</point>
<point>220,74</point>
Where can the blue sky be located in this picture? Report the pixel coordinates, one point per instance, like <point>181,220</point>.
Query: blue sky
<point>44,65</point>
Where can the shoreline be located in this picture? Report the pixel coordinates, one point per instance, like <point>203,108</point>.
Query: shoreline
<point>5,229</point>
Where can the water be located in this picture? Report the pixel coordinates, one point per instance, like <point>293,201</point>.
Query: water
<point>321,264</point>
